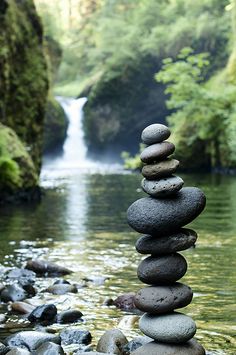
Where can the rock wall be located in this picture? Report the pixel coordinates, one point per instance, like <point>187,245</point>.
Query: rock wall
<point>23,74</point>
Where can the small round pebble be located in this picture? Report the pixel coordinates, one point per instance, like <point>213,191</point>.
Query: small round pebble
<point>192,347</point>
<point>163,299</point>
<point>169,328</point>
<point>155,133</point>
<point>159,170</point>
<point>162,269</point>
<point>156,152</point>
<point>156,245</point>
<point>163,187</point>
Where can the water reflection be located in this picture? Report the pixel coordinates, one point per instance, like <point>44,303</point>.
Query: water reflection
<point>82,221</point>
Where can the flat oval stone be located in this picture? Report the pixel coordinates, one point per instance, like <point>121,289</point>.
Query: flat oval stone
<point>164,216</point>
<point>169,328</point>
<point>157,152</point>
<point>191,347</point>
<point>178,241</point>
<point>163,187</point>
<point>159,170</point>
<point>162,269</point>
<point>155,133</point>
<point>163,299</point>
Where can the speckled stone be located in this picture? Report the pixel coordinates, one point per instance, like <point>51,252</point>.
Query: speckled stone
<point>192,347</point>
<point>156,152</point>
<point>162,269</point>
<point>111,342</point>
<point>159,170</point>
<point>169,328</point>
<point>155,133</point>
<point>163,187</point>
<point>164,216</point>
<point>163,299</point>
<point>155,245</point>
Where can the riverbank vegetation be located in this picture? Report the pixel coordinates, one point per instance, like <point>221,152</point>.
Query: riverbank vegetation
<point>112,52</point>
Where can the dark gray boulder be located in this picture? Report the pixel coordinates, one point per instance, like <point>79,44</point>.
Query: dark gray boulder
<point>164,216</point>
<point>181,240</point>
<point>162,269</point>
<point>163,299</point>
<point>192,347</point>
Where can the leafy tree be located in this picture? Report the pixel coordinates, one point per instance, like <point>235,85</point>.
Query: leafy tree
<point>201,116</point>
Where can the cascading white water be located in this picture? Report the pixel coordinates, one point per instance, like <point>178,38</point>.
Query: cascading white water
<point>74,148</point>
<point>74,159</point>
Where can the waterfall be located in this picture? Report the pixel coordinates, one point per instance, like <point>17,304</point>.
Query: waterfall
<point>74,148</point>
<point>74,158</point>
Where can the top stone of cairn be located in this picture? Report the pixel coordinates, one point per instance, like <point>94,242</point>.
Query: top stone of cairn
<point>155,133</point>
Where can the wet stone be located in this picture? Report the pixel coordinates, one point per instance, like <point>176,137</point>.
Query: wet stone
<point>155,133</point>
<point>69,316</point>
<point>125,301</point>
<point>45,313</point>
<point>135,344</point>
<point>50,349</point>
<point>112,341</point>
<point>43,267</point>
<point>22,307</point>
<point>163,216</point>
<point>163,187</point>
<point>159,170</point>
<point>75,336</point>
<point>61,289</point>
<point>192,347</point>
<point>13,293</point>
<point>155,245</point>
<point>163,299</point>
<point>157,152</point>
<point>23,276</point>
<point>162,269</point>
<point>30,339</point>
<point>18,351</point>
<point>168,328</point>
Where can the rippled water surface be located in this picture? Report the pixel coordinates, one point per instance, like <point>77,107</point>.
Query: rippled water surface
<point>81,223</point>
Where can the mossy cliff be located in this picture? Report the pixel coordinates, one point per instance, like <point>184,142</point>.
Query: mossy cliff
<point>18,176</point>
<point>23,74</point>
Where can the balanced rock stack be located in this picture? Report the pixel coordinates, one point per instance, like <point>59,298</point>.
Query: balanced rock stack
<point>160,217</point>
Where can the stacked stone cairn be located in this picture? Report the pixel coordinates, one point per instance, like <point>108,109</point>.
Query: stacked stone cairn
<point>160,217</point>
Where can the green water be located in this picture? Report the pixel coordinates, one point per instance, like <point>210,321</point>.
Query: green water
<point>81,223</point>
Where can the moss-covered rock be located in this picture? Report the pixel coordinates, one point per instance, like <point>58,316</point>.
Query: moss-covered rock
<point>23,74</point>
<point>18,176</point>
<point>55,126</point>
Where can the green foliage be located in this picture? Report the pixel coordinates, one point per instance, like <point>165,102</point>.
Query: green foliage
<point>132,162</point>
<point>203,117</point>
<point>9,173</point>
<point>17,170</point>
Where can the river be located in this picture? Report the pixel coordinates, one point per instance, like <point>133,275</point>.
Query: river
<point>81,223</point>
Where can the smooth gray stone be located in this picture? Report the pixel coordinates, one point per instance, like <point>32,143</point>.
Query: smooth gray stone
<point>171,328</point>
<point>70,316</point>
<point>19,351</point>
<point>111,342</point>
<point>155,133</point>
<point>182,240</point>
<point>49,348</point>
<point>23,276</point>
<point>75,336</point>
<point>13,293</point>
<point>163,299</point>
<point>135,343</point>
<point>30,339</point>
<point>159,170</point>
<point>61,289</point>
<point>163,187</point>
<point>192,347</point>
<point>162,269</point>
<point>156,152</point>
<point>43,267</point>
<point>163,216</point>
